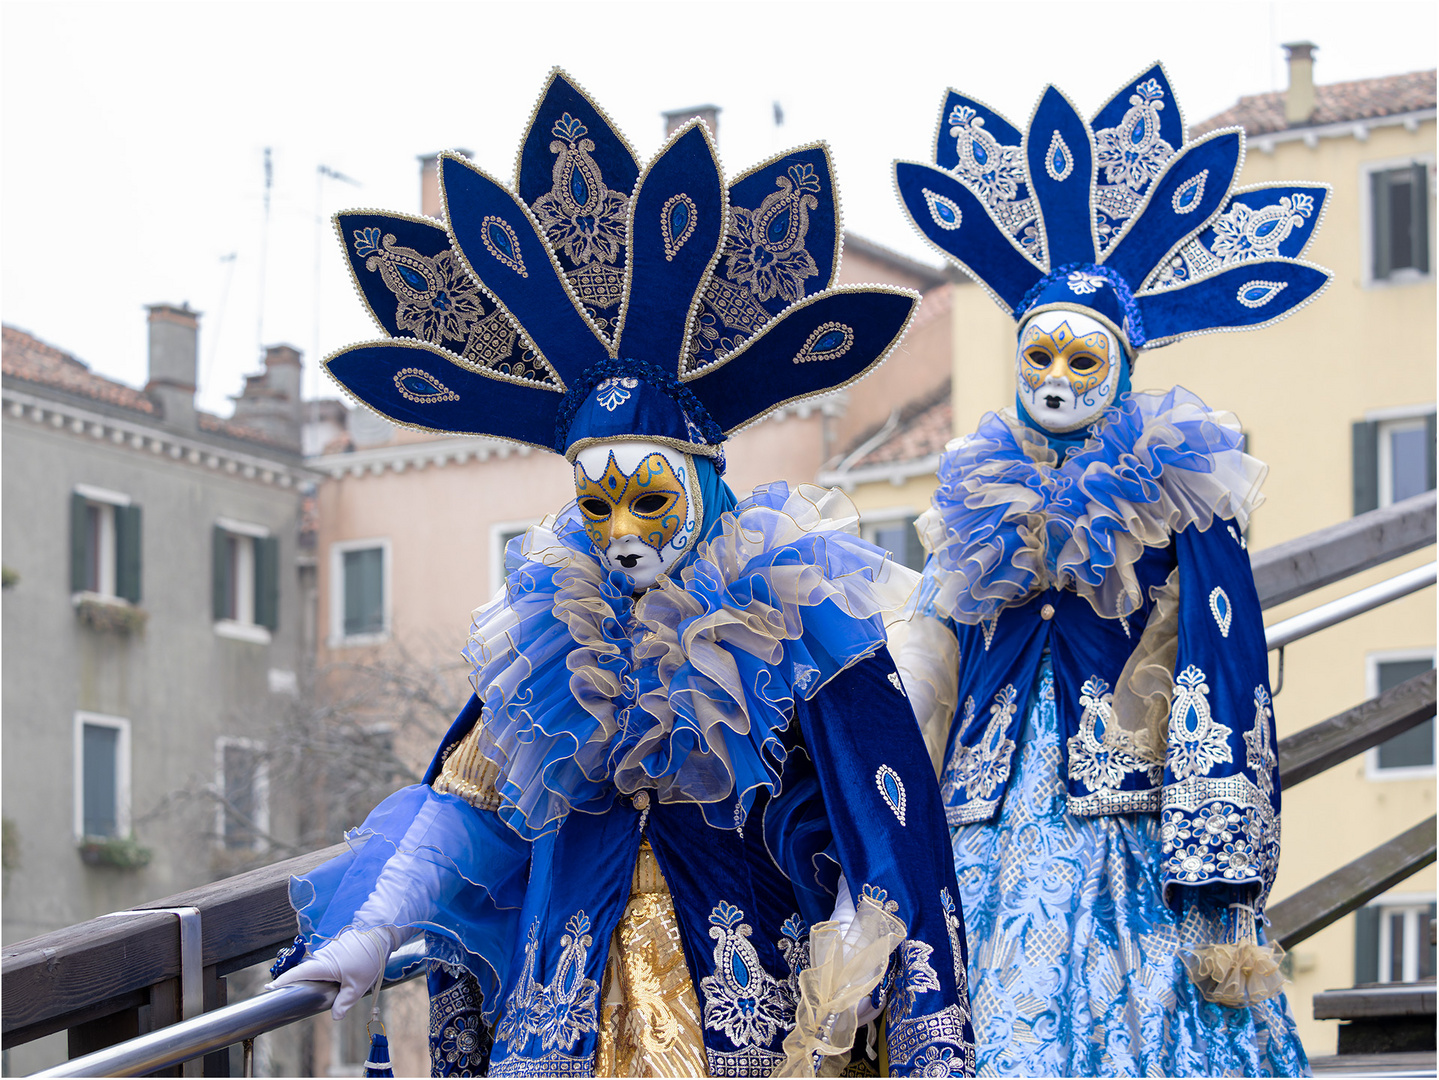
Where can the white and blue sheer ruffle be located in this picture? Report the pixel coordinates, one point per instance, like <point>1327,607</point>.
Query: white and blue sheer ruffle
<point>1076,962</point>
<point>687,691</point>
<point>1009,519</point>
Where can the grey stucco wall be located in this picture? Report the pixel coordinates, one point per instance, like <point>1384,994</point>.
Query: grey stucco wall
<point>178,683</point>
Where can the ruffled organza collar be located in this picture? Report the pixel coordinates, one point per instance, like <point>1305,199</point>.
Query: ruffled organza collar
<point>688,691</point>
<point>1009,519</point>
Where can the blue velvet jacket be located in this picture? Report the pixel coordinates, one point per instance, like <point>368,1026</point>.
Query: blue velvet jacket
<point>1127,565</point>
<point>746,719</point>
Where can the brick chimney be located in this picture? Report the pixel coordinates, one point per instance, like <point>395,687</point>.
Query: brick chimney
<point>1299,101</point>
<point>677,118</point>
<point>271,401</point>
<point>430,183</point>
<point>174,349</point>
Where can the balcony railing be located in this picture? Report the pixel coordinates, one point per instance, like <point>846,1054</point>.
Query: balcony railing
<point>115,983</point>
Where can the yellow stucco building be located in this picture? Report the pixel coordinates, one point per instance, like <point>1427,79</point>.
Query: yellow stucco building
<point>1339,400</point>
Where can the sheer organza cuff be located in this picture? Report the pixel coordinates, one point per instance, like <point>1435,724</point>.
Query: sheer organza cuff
<point>846,964</point>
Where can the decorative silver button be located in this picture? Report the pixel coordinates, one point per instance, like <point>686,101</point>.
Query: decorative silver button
<point>641,800</point>
<point>1047,612</point>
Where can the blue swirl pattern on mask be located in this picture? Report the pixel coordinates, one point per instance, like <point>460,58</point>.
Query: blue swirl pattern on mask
<point>1075,965</point>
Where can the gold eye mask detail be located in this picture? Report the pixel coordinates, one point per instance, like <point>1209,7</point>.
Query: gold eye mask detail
<point>1083,362</point>
<point>649,503</point>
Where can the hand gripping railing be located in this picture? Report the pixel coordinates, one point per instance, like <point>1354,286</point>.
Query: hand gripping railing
<point>204,1034</point>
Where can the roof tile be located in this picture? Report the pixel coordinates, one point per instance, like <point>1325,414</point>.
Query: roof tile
<point>1335,103</point>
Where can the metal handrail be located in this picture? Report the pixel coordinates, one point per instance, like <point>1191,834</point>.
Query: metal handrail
<point>1346,607</point>
<point>204,1034</point>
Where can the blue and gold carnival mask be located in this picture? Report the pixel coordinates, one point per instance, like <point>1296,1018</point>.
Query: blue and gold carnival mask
<point>1067,369</point>
<point>640,506</point>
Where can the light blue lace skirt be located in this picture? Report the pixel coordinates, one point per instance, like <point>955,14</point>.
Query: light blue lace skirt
<point>1074,965</point>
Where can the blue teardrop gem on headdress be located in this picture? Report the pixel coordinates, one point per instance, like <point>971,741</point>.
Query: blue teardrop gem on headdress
<point>1136,137</point>
<point>579,189</point>
<point>1258,293</point>
<point>679,217</point>
<point>1266,228</point>
<point>832,340</point>
<point>1059,161</point>
<point>779,227</point>
<point>981,155</point>
<point>500,237</point>
<point>412,278</point>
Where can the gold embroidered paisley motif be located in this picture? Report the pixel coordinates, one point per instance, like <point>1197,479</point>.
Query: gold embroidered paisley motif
<point>469,774</point>
<point>650,1021</point>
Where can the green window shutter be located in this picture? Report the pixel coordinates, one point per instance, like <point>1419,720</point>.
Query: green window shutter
<point>127,553</point>
<point>79,542</point>
<point>1380,223</point>
<point>220,573</point>
<point>1429,444</point>
<point>1366,945</point>
<point>1419,219</point>
<point>1366,466</point>
<point>267,582</point>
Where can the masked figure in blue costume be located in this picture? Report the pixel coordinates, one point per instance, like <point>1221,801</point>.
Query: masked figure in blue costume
<point>686,824</point>
<point>1089,659</point>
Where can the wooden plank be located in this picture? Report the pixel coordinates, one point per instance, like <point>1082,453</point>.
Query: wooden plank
<point>1309,752</point>
<point>1394,999</point>
<point>70,970</point>
<point>1335,895</point>
<point>1309,562</point>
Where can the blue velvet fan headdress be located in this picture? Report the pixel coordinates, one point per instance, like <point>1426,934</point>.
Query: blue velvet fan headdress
<point>1120,218</point>
<point>602,300</point>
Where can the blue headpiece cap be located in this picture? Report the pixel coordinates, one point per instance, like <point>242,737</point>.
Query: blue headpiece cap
<point>601,300</point>
<point>1118,217</point>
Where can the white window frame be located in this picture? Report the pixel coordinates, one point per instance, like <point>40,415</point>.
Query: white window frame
<point>1415,909</point>
<point>244,627</point>
<point>122,769</point>
<point>261,789</point>
<point>1407,276</point>
<point>497,551</point>
<point>106,500</point>
<point>1387,428</point>
<point>1372,771</point>
<point>338,638</point>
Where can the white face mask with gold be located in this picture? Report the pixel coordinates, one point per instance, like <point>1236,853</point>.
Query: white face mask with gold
<point>640,506</point>
<point>1067,369</point>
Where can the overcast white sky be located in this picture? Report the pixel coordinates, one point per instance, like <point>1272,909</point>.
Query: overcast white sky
<point>134,133</point>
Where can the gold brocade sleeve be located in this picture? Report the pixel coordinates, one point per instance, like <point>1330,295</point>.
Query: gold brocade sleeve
<point>469,774</point>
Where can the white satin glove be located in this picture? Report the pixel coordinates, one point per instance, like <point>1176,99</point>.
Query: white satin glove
<point>844,915</point>
<point>354,959</point>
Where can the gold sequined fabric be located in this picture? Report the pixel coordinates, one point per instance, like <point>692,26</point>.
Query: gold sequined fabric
<point>469,774</point>
<point>650,1020</point>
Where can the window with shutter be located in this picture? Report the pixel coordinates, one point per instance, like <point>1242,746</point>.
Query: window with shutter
<point>1398,226</point>
<point>359,592</point>
<point>1409,754</point>
<point>243,819</point>
<point>1391,940</point>
<point>1393,459</point>
<point>102,776</point>
<point>105,542</point>
<point>245,582</point>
